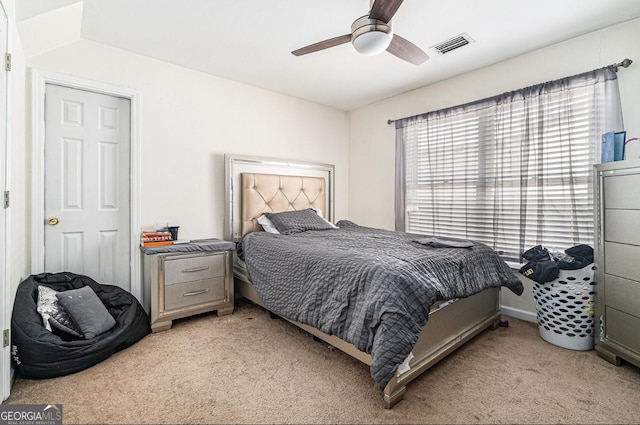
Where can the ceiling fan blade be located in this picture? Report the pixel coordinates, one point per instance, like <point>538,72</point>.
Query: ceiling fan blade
<point>332,42</point>
<point>383,10</point>
<point>406,50</point>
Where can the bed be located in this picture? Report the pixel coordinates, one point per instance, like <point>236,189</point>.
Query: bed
<point>408,320</point>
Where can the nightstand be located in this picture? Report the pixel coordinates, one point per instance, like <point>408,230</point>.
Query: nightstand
<point>187,279</point>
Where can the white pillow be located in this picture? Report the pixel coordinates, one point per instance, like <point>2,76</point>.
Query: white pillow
<point>267,225</point>
<point>319,212</point>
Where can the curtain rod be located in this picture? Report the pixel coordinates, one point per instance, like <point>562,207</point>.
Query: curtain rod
<point>625,64</point>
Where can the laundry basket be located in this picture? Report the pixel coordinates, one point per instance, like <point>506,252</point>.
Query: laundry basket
<point>565,309</point>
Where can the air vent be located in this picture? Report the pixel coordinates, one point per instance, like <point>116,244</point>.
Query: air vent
<point>452,44</point>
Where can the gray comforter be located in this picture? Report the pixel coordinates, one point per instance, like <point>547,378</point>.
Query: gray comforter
<point>370,287</point>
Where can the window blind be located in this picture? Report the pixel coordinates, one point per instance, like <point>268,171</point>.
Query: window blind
<point>512,171</point>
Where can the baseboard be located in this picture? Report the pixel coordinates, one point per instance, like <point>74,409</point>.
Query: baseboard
<point>12,372</point>
<point>519,314</point>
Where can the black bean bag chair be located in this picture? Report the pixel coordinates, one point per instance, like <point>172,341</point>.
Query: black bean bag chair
<point>39,353</point>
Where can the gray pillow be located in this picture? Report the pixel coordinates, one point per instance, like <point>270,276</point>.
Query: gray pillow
<point>290,222</point>
<point>53,315</point>
<point>87,311</point>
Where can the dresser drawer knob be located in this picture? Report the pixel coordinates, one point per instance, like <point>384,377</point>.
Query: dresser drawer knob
<point>196,292</point>
<point>195,269</point>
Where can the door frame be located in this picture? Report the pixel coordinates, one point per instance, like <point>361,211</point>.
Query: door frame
<point>6,371</point>
<point>39,80</point>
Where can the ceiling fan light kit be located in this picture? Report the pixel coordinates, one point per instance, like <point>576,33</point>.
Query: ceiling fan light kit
<point>371,37</point>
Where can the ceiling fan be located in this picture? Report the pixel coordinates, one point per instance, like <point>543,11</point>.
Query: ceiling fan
<point>372,34</point>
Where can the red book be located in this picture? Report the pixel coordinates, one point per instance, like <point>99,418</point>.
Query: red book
<point>159,243</point>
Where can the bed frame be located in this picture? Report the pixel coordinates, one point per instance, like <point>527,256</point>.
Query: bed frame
<point>256,185</point>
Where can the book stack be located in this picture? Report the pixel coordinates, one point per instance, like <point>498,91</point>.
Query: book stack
<point>159,238</point>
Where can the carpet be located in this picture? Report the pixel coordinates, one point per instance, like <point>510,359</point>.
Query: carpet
<point>249,368</point>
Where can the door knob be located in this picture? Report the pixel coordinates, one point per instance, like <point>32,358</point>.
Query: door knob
<point>53,221</point>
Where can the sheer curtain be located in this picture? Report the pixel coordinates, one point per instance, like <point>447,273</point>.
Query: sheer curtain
<point>512,171</point>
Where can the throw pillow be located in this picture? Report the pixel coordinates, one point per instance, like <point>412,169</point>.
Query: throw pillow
<point>87,311</point>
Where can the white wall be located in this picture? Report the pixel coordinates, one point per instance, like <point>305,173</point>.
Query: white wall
<point>371,148</point>
<point>18,257</point>
<point>189,120</point>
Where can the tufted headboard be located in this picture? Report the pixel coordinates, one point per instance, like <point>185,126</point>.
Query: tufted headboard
<point>256,185</point>
<point>276,193</point>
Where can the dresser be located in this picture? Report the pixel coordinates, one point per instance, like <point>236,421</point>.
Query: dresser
<point>187,279</point>
<point>617,257</point>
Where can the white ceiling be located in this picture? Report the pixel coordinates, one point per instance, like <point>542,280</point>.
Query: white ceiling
<point>250,41</point>
<point>28,8</point>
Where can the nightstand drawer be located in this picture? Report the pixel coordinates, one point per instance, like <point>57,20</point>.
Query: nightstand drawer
<point>194,293</point>
<point>185,269</point>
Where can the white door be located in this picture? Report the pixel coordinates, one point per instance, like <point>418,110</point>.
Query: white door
<point>5,306</point>
<point>87,185</point>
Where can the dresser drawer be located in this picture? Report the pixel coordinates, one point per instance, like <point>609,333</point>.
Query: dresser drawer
<point>622,328</point>
<point>622,260</point>
<point>622,226</point>
<point>622,294</point>
<point>178,269</point>
<point>194,293</point>
<point>622,191</point>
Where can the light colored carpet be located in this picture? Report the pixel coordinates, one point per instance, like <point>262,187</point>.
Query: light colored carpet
<point>248,368</point>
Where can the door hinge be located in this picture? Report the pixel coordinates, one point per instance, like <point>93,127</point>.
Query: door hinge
<point>5,338</point>
<point>8,62</point>
<point>6,199</point>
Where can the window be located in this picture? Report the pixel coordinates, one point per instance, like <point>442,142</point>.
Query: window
<point>513,171</point>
